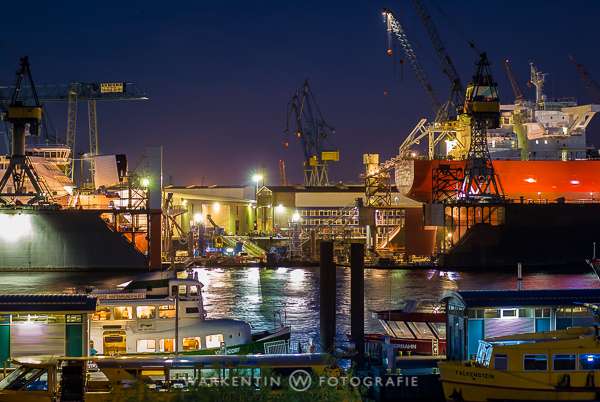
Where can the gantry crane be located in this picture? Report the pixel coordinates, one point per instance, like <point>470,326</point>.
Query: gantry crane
<point>305,121</point>
<point>591,85</point>
<point>74,93</point>
<point>24,113</point>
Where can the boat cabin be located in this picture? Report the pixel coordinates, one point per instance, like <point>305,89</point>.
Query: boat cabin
<point>473,316</point>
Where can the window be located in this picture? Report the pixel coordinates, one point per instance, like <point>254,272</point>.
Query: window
<point>589,361</point>
<point>167,311</point>
<point>146,345</point>
<point>501,362</point>
<point>509,313</point>
<point>182,290</point>
<point>564,362</point>
<point>191,343</point>
<point>167,345</point>
<point>193,290</point>
<point>191,310</point>
<point>535,362</point>
<point>214,341</point>
<point>542,313</point>
<point>101,314</point>
<point>123,313</point>
<point>74,318</point>
<point>491,313</point>
<point>145,312</point>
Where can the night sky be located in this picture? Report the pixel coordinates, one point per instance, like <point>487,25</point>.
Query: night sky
<point>220,74</point>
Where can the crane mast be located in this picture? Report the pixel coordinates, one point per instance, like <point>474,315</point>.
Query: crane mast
<point>519,98</point>
<point>395,28</point>
<point>591,85</point>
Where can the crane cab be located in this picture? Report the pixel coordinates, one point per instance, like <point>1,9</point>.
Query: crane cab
<point>481,97</point>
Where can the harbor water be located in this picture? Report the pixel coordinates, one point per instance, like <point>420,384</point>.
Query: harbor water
<point>261,296</point>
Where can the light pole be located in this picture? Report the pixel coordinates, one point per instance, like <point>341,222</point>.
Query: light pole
<point>256,178</point>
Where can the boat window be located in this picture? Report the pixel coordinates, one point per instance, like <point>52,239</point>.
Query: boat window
<point>484,353</point>
<point>501,362</point>
<point>167,311</point>
<point>214,341</point>
<point>191,343</point>
<point>22,377</point>
<point>123,313</point>
<point>193,290</point>
<point>564,362</point>
<point>146,345</point>
<point>191,310</point>
<point>182,290</point>
<point>525,312</point>
<point>145,312</point>
<point>491,313</point>
<point>167,345</point>
<point>101,314</point>
<point>39,384</point>
<point>535,362</point>
<point>589,361</point>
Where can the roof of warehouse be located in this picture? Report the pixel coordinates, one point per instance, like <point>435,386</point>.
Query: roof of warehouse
<point>516,298</point>
<point>49,302</point>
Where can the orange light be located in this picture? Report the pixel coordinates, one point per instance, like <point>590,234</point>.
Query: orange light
<point>390,52</point>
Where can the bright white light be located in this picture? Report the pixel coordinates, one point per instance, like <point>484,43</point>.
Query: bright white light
<point>184,202</point>
<point>216,207</point>
<point>296,216</point>
<point>229,249</point>
<point>15,227</point>
<point>279,209</point>
<point>450,145</point>
<point>198,218</point>
<point>530,180</point>
<point>145,182</point>
<point>257,177</point>
<point>574,182</point>
<point>68,189</point>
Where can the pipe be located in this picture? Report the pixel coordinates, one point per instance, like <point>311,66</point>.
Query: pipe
<point>357,300</point>
<point>327,297</point>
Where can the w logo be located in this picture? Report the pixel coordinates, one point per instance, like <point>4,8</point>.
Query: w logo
<point>300,380</point>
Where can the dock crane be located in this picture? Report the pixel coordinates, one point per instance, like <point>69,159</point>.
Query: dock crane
<point>591,85</point>
<point>24,113</point>
<point>519,98</point>
<point>305,121</point>
<point>74,93</point>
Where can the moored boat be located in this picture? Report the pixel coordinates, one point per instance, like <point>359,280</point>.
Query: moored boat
<point>555,365</point>
<point>167,315</point>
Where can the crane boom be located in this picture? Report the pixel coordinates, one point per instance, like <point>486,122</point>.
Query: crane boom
<point>447,65</point>
<point>394,27</point>
<point>513,82</point>
<point>592,86</point>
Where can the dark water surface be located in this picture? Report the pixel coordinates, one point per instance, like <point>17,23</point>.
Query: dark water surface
<point>257,294</point>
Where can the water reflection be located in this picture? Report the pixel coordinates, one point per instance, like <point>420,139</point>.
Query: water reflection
<point>257,295</point>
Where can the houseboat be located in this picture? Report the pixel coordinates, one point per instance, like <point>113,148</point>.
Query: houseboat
<point>166,316</point>
<point>555,365</point>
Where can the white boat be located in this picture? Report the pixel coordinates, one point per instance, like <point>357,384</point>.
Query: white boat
<point>153,316</point>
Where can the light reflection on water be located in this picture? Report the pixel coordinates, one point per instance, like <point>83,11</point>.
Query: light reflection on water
<point>257,294</point>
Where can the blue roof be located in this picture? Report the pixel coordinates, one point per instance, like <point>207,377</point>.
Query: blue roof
<point>518,298</point>
<point>47,303</point>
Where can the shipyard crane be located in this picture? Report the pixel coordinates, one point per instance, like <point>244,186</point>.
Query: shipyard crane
<point>591,85</point>
<point>305,121</point>
<point>24,113</point>
<point>457,89</point>
<point>519,98</point>
<point>73,93</point>
<point>395,28</point>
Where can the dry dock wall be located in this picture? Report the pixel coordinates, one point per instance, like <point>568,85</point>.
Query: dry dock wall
<point>533,234</point>
<point>62,240</point>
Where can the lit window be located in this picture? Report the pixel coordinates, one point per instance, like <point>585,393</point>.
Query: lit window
<point>193,290</point>
<point>501,362</point>
<point>123,313</point>
<point>166,311</point>
<point>509,313</point>
<point>564,362</point>
<point>214,341</point>
<point>101,314</point>
<point>182,290</point>
<point>145,312</point>
<point>167,345</point>
<point>191,343</point>
<point>535,362</point>
<point>589,361</point>
<point>146,345</point>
